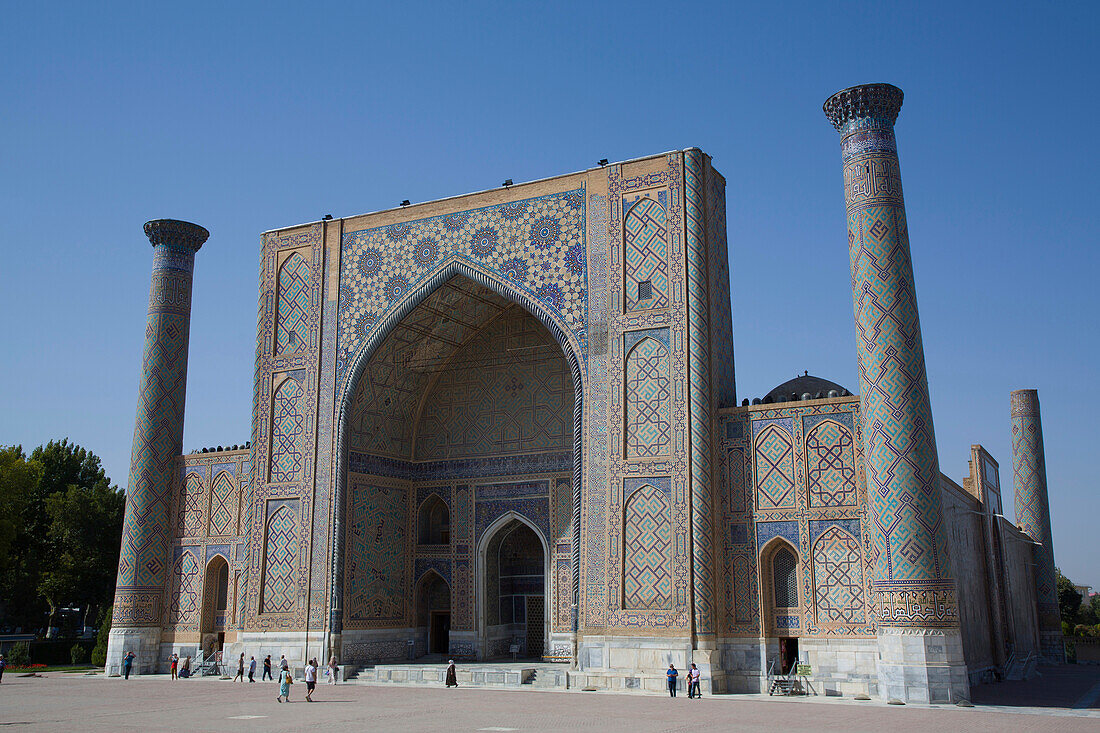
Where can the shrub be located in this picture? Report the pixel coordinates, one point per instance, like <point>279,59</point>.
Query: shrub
<point>79,654</point>
<point>99,652</point>
<point>20,655</point>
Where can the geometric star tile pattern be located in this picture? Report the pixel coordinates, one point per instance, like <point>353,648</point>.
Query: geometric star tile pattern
<point>831,473</point>
<point>536,245</point>
<point>286,431</point>
<point>223,505</point>
<point>280,592</point>
<point>647,550</point>
<point>838,578</point>
<point>775,485</point>
<point>648,400</point>
<point>293,315</point>
<point>645,256</point>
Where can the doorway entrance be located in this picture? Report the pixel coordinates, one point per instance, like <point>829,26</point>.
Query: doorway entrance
<point>433,613</point>
<point>788,654</point>
<point>439,632</point>
<point>515,592</point>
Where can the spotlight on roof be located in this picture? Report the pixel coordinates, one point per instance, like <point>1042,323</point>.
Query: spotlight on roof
<point>507,182</point>
<point>327,217</point>
<point>603,162</point>
<point>405,202</point>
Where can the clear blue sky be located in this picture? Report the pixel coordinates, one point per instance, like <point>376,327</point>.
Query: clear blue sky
<point>246,118</point>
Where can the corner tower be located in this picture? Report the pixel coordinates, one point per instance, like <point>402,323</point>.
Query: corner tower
<point>1029,477</point>
<point>158,443</point>
<point>920,645</point>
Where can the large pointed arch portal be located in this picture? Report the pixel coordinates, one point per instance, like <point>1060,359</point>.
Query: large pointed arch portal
<point>469,393</point>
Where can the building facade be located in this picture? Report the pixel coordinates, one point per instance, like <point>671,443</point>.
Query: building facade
<point>508,421</point>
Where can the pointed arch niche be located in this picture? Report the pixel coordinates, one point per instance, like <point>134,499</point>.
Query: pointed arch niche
<point>292,314</point>
<point>433,522</point>
<point>780,593</point>
<point>648,397</point>
<point>647,548</point>
<point>645,255</point>
<point>461,409</point>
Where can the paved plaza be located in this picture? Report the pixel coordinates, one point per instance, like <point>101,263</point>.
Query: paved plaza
<point>66,702</point>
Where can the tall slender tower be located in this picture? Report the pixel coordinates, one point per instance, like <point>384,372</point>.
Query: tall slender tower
<point>1029,477</point>
<point>158,443</point>
<point>920,645</point>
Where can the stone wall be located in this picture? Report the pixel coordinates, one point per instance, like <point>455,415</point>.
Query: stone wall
<point>965,520</point>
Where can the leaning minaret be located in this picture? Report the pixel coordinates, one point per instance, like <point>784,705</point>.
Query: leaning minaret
<point>920,645</point>
<point>158,443</point>
<point>1029,477</point>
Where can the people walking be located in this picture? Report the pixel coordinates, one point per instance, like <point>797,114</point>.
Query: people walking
<point>333,670</point>
<point>174,665</point>
<point>267,669</point>
<point>283,664</point>
<point>285,681</point>
<point>311,678</point>
<point>252,669</point>
<point>693,682</point>
<point>127,664</point>
<point>672,674</point>
<point>452,674</point>
<point>2,665</point>
<point>240,669</point>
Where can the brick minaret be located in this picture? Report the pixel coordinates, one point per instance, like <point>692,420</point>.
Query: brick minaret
<point>1029,477</point>
<point>158,443</point>
<point>920,645</point>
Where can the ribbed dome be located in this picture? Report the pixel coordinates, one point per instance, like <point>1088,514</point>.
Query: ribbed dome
<point>816,387</point>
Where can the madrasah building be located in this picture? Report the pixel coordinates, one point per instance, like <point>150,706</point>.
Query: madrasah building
<point>508,421</point>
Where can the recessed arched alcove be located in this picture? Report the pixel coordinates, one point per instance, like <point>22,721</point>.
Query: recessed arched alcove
<point>215,603</point>
<point>462,413</point>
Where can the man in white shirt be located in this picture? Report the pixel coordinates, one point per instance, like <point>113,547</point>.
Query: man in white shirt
<point>311,678</point>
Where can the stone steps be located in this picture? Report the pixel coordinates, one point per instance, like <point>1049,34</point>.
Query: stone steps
<point>533,676</point>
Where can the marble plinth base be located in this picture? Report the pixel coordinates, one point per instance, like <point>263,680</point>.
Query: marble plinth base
<point>922,665</point>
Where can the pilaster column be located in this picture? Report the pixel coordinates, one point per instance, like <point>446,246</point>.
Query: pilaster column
<point>919,640</point>
<point>699,366</point>
<point>158,443</point>
<point>1029,478</point>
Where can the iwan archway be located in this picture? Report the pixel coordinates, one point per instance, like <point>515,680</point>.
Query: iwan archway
<point>459,433</point>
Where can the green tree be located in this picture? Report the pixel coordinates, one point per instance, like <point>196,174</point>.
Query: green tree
<point>84,532</point>
<point>53,550</point>
<point>1090,612</point>
<point>1069,599</point>
<point>18,480</point>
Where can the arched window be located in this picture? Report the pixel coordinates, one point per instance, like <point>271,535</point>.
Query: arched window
<point>434,522</point>
<point>785,578</point>
<point>221,594</point>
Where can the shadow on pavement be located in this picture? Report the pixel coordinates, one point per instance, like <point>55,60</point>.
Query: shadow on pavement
<point>1061,686</point>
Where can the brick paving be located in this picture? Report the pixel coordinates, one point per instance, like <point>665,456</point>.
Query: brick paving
<point>66,702</point>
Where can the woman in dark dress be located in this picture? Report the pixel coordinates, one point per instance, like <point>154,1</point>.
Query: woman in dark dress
<point>452,676</point>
